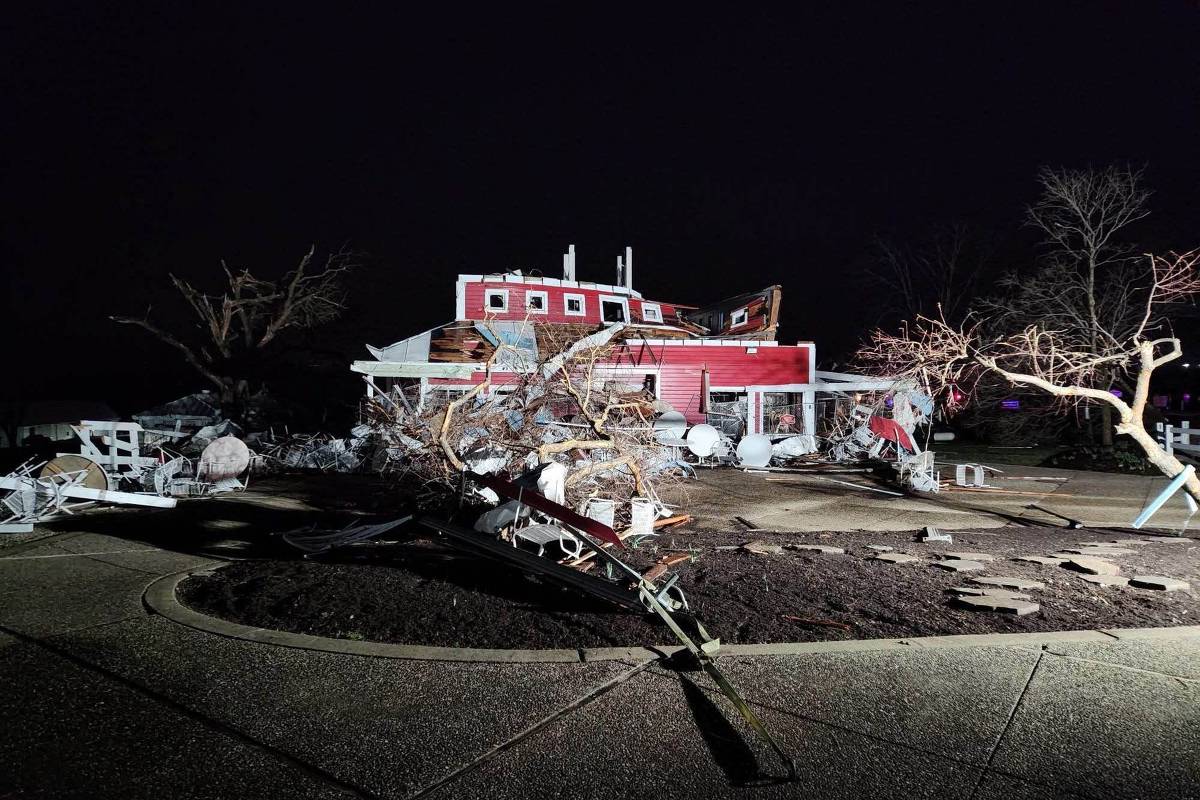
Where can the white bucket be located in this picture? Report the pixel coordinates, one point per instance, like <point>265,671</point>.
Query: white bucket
<point>602,510</point>
<point>642,516</point>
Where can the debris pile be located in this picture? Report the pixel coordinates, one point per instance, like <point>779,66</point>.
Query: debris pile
<point>572,410</point>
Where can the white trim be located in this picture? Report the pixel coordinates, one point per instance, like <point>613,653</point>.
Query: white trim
<point>545,309</point>
<point>460,298</point>
<point>582,298</point>
<point>656,308</point>
<point>609,298</point>
<point>540,281</point>
<point>488,294</point>
<point>416,369</point>
<point>733,321</point>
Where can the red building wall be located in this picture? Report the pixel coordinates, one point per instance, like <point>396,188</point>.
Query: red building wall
<point>475,291</point>
<point>680,366</point>
<point>679,369</point>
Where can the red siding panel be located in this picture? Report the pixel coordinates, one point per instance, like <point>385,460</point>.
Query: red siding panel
<point>680,368</point>
<point>475,309</point>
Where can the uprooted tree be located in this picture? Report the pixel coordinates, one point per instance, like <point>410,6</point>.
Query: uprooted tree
<point>1083,280</point>
<point>239,325</point>
<point>1071,361</point>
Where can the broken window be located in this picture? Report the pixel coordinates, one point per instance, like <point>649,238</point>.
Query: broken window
<point>613,310</point>
<point>739,317</point>
<point>496,300</point>
<point>536,302</point>
<point>573,305</point>
<point>652,312</point>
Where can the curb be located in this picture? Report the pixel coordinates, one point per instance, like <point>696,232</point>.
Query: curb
<point>160,598</point>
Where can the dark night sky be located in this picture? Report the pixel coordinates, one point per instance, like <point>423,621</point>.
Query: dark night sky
<point>731,151</point>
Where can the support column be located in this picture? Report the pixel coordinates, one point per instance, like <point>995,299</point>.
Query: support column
<point>809,400</point>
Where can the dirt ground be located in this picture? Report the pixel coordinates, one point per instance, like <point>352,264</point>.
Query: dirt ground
<point>420,591</point>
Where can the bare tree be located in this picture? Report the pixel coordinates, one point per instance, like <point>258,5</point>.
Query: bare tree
<point>252,313</point>
<point>944,272</point>
<point>1059,361</point>
<point>1085,275</point>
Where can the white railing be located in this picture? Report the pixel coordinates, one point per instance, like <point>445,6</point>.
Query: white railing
<point>1182,437</point>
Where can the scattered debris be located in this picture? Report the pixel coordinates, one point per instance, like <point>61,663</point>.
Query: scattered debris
<point>1100,550</point>
<point>818,548</point>
<point>1092,566</point>
<point>1073,524</point>
<point>932,534</point>
<point>958,565</point>
<point>895,558</point>
<point>1004,594</point>
<point>314,541</point>
<point>1159,582</point>
<point>1044,560</point>
<point>763,548</point>
<point>971,556</point>
<point>1105,580</point>
<point>1020,584</point>
<point>992,603</point>
<point>880,548</point>
<point>36,497</point>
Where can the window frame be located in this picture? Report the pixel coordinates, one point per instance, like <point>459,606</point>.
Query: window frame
<point>545,309</point>
<point>568,297</point>
<point>623,302</point>
<point>487,301</point>
<point>656,308</point>
<point>733,317</point>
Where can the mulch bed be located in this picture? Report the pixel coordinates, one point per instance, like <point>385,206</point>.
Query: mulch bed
<point>422,592</point>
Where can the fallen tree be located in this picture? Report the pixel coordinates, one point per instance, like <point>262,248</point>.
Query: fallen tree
<point>1067,363</point>
<point>568,406</point>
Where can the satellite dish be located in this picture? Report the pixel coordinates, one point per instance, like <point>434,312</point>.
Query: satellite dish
<point>702,440</point>
<point>226,457</point>
<point>754,450</point>
<point>670,425</point>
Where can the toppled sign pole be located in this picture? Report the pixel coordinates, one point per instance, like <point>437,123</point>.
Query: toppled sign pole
<point>595,536</point>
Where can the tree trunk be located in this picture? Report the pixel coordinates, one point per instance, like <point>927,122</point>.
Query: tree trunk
<point>1106,425</point>
<point>1156,455</point>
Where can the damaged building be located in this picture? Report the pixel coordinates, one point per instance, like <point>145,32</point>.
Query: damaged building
<point>720,364</point>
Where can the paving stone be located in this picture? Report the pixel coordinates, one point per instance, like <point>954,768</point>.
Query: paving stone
<point>1113,543</point>
<point>895,558</point>
<point>1159,582</point>
<point>1100,551</point>
<point>820,548</point>
<point>763,548</point>
<point>958,565</point>
<point>1052,561</point>
<point>1142,540</point>
<point>985,602</point>
<point>1008,582</point>
<point>1106,580</point>
<point>1170,540</point>
<point>880,548</point>
<point>990,591</point>
<point>1093,566</point>
<point>971,556</point>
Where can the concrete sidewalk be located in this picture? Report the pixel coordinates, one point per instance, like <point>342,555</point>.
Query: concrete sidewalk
<point>104,699</point>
